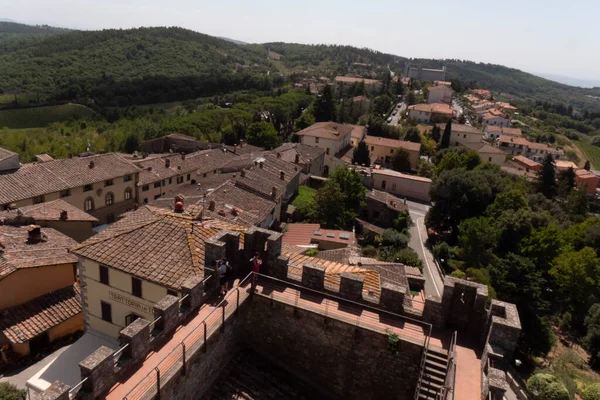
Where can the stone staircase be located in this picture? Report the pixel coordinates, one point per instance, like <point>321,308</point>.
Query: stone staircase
<point>434,374</point>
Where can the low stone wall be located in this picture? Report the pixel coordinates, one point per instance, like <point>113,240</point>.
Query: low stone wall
<point>350,362</point>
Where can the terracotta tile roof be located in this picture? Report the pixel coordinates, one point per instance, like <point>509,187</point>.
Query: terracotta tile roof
<point>237,205</point>
<point>389,172</point>
<point>36,179</point>
<point>327,130</point>
<point>49,211</point>
<point>582,173</point>
<point>462,128</point>
<point>436,108</point>
<point>5,154</point>
<point>526,161</point>
<point>358,132</point>
<point>393,143</point>
<point>154,244</point>
<point>391,201</point>
<point>507,106</point>
<point>164,167</point>
<point>515,140</point>
<point>359,98</point>
<point>505,131</point>
<point>333,270</point>
<point>306,153</point>
<point>352,79</point>
<point>565,164</point>
<point>263,180</point>
<point>484,148</point>
<point>489,115</point>
<point>19,253</point>
<point>341,256</point>
<point>305,234</point>
<point>22,323</point>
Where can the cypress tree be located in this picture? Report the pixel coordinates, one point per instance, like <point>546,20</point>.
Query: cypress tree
<point>546,180</point>
<point>446,137</point>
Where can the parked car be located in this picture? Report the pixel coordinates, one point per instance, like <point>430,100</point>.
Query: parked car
<point>389,120</point>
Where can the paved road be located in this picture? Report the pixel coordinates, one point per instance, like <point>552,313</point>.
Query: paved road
<point>434,284</point>
<point>19,378</point>
<point>396,118</point>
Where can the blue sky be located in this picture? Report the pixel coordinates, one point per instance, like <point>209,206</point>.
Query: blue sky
<point>556,37</point>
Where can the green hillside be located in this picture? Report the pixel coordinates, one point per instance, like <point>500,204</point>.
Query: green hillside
<point>158,65</point>
<point>42,116</point>
<point>145,65</point>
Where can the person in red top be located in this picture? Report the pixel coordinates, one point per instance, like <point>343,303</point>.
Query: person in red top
<point>256,263</point>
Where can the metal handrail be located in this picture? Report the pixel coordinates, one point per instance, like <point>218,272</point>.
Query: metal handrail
<point>219,307</point>
<point>422,366</point>
<point>75,389</point>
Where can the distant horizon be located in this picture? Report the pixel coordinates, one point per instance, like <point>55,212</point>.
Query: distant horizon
<point>567,78</point>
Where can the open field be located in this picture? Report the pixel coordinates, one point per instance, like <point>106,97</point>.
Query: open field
<point>21,98</point>
<point>590,151</point>
<point>42,116</point>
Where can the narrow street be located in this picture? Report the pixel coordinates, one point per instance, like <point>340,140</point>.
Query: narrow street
<point>396,118</point>
<point>434,283</point>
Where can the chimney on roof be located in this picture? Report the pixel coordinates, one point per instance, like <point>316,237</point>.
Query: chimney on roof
<point>149,168</point>
<point>234,211</point>
<point>167,163</point>
<point>91,164</point>
<point>255,162</point>
<point>274,193</point>
<point>183,156</point>
<point>211,205</point>
<point>64,215</point>
<point>281,175</point>
<point>178,207</point>
<point>278,155</point>
<point>234,148</point>
<point>297,159</point>
<point>243,173</point>
<point>260,165</point>
<point>34,234</point>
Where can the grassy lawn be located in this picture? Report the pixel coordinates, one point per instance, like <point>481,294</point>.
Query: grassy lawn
<point>42,116</point>
<point>306,195</point>
<point>591,152</point>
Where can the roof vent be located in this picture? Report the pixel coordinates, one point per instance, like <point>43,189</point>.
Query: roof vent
<point>91,164</point>
<point>149,168</point>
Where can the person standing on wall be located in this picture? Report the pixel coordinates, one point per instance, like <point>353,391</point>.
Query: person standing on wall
<point>256,263</point>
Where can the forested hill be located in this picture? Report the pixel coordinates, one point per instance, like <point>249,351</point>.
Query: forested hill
<point>153,65</point>
<point>116,66</point>
<point>510,82</point>
<point>10,31</point>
